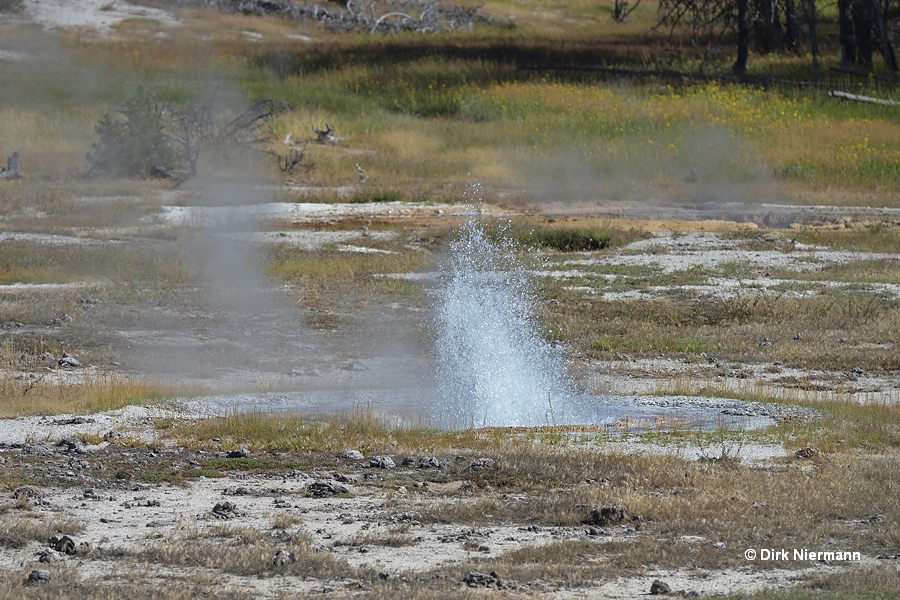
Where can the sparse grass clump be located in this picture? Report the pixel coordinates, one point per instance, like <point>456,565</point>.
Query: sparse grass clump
<point>18,529</point>
<point>93,392</point>
<point>361,429</point>
<point>566,239</point>
<point>241,551</point>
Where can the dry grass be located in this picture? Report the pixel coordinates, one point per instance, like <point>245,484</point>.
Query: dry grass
<point>240,550</point>
<point>18,529</point>
<point>66,583</point>
<point>48,392</point>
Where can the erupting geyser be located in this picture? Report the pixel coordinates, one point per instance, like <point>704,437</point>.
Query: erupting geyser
<point>493,367</point>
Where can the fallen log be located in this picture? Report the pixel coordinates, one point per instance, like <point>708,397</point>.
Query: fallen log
<point>858,98</point>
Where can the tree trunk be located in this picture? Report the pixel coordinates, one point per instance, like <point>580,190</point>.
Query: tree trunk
<point>769,36</point>
<point>847,34</point>
<point>810,12</point>
<point>743,37</point>
<point>887,50</point>
<point>792,25</point>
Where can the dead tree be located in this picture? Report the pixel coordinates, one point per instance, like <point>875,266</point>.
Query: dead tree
<point>370,16</point>
<point>623,8</point>
<point>12,167</point>
<point>325,137</point>
<point>161,139</point>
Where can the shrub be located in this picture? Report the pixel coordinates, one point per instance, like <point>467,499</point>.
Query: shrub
<point>136,146</point>
<point>11,5</point>
<point>566,239</point>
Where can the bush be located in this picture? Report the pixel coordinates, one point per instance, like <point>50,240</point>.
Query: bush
<point>136,146</point>
<point>11,5</point>
<point>566,239</point>
<point>159,139</point>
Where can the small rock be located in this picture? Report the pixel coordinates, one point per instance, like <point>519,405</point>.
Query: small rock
<point>429,462</point>
<point>658,588</point>
<point>607,514</point>
<point>48,556</point>
<point>719,545</point>
<point>161,523</point>
<point>806,452</point>
<point>73,445</point>
<point>68,362</point>
<point>64,545</point>
<point>37,576</point>
<point>40,449</point>
<point>351,455</point>
<point>382,462</point>
<point>242,453</point>
<point>483,464</point>
<point>283,557</point>
<point>476,579</point>
<point>225,510</point>
<point>327,487</point>
<point>27,492</point>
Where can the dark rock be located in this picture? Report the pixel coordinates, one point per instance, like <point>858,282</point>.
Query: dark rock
<point>429,462</point>
<point>27,492</point>
<point>483,464</point>
<point>343,478</point>
<point>658,588</point>
<point>476,579</point>
<point>37,576</point>
<point>73,421</point>
<point>72,445</point>
<point>283,557</point>
<point>382,462</point>
<point>322,488</point>
<point>48,556</point>
<point>64,544</point>
<point>78,464</point>
<point>40,449</point>
<point>226,510</point>
<point>242,453</point>
<point>68,362</point>
<point>409,516</point>
<point>607,514</point>
<point>161,523</point>
<point>806,452</point>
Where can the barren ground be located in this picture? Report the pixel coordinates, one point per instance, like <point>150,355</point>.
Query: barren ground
<point>127,490</point>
